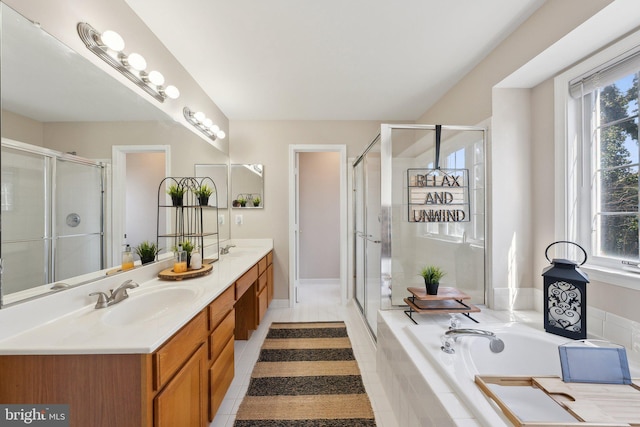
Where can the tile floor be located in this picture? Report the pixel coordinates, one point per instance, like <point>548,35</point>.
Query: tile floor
<point>317,303</point>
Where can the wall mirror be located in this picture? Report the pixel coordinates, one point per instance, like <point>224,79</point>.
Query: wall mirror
<point>220,175</point>
<point>55,101</point>
<point>247,186</point>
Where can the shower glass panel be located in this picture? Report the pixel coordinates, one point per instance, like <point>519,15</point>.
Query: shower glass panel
<point>78,221</point>
<point>456,246</point>
<point>366,183</point>
<point>25,190</point>
<point>359,233</point>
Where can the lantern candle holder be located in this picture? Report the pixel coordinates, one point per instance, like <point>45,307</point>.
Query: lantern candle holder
<point>565,296</point>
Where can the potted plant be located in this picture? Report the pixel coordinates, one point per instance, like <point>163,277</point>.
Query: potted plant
<point>256,201</point>
<point>147,251</point>
<point>242,201</point>
<point>176,192</point>
<point>432,276</point>
<point>187,246</point>
<point>202,193</point>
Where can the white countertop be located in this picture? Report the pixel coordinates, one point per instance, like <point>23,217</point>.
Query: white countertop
<point>39,327</point>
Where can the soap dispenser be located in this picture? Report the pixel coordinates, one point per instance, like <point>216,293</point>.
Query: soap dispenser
<point>180,261</point>
<point>196,260</point>
<point>127,258</point>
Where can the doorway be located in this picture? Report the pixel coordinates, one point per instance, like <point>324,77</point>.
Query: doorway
<point>137,173</point>
<point>317,221</point>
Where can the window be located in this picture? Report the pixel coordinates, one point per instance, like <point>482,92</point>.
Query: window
<point>606,186</point>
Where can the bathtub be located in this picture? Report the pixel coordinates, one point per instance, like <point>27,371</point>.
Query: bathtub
<point>528,351</point>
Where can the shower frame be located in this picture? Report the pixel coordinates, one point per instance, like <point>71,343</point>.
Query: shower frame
<point>386,170</point>
<point>50,162</point>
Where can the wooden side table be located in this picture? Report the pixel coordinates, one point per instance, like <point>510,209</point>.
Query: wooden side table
<point>448,300</point>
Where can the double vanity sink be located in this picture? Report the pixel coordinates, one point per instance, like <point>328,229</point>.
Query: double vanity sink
<point>137,361</point>
<point>152,313</point>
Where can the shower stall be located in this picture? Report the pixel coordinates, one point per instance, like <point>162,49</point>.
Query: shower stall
<point>52,208</point>
<point>397,231</point>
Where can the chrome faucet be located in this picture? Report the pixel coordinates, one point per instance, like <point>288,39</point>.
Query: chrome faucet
<point>496,345</point>
<point>117,295</point>
<point>225,250</point>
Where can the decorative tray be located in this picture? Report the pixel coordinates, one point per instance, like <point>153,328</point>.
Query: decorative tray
<point>169,274</point>
<point>578,404</point>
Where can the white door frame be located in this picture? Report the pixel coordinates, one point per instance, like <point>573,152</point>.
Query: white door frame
<point>119,182</point>
<point>294,149</point>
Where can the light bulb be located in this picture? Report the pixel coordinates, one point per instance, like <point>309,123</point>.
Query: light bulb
<point>215,128</point>
<point>156,78</point>
<point>221,134</point>
<point>112,40</point>
<point>207,122</point>
<point>172,92</point>
<point>199,116</point>
<point>137,61</point>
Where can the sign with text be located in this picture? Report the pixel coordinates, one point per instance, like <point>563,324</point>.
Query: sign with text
<point>438,195</point>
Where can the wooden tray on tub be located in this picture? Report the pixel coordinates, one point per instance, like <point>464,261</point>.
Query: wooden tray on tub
<point>591,404</point>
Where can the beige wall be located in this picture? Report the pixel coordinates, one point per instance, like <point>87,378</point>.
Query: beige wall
<point>23,129</point>
<point>319,208</point>
<point>267,142</point>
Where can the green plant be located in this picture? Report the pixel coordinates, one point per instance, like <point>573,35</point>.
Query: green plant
<point>147,251</point>
<point>203,191</point>
<point>242,201</point>
<point>256,201</point>
<point>432,274</point>
<point>187,246</point>
<point>176,190</point>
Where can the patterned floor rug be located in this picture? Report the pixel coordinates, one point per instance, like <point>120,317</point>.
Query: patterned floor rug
<point>306,376</point>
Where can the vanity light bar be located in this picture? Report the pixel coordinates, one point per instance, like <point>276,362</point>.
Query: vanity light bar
<point>109,45</point>
<point>203,124</point>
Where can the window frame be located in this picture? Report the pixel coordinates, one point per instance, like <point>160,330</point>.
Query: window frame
<point>570,180</point>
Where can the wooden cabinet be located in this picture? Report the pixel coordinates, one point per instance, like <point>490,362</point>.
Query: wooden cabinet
<point>182,383</point>
<point>183,402</point>
<point>269,277</point>
<point>222,320</point>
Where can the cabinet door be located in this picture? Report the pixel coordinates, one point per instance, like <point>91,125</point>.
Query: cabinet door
<point>183,402</point>
<point>220,377</point>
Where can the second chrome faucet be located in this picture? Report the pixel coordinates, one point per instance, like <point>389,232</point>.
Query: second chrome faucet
<point>117,295</point>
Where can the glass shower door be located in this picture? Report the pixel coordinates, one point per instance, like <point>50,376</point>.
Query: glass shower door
<point>78,244</point>
<point>366,177</point>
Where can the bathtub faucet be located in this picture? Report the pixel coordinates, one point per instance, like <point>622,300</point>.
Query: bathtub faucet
<point>495,344</point>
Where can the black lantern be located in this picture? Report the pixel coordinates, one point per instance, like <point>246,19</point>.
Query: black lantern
<point>565,296</point>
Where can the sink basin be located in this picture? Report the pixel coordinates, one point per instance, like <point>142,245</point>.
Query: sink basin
<point>148,306</point>
<point>239,253</point>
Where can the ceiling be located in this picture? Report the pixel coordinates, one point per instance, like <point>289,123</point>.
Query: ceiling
<point>330,59</point>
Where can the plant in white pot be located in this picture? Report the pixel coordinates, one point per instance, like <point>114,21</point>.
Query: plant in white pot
<point>432,276</point>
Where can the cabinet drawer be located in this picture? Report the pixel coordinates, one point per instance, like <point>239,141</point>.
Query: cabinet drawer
<point>219,308</point>
<point>244,282</point>
<point>172,355</point>
<point>262,281</point>
<point>270,258</point>
<point>263,303</point>
<point>220,377</point>
<point>262,265</point>
<point>220,336</point>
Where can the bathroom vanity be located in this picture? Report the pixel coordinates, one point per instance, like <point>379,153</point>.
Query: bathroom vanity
<point>131,365</point>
